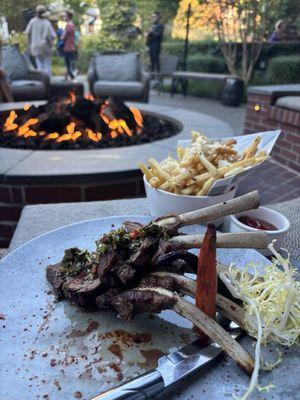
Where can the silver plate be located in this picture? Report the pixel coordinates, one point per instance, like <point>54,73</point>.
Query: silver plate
<point>55,349</point>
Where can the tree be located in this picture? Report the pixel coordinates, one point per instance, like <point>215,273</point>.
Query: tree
<point>118,18</point>
<point>15,10</point>
<point>79,7</point>
<point>241,23</point>
<point>145,9</point>
<point>200,20</point>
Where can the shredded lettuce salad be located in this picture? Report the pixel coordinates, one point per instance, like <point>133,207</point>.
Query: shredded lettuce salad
<point>272,306</point>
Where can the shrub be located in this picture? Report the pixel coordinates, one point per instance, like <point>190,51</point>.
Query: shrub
<point>176,47</point>
<point>206,63</point>
<point>284,69</point>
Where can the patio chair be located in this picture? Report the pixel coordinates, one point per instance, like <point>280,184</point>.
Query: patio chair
<point>118,74</point>
<point>168,65</point>
<point>24,81</point>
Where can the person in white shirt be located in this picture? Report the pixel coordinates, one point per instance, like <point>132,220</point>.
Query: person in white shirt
<point>40,36</point>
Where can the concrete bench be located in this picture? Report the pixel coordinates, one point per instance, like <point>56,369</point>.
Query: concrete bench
<point>183,77</point>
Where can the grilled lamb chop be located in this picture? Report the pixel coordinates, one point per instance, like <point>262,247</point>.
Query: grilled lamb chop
<point>116,275</point>
<point>128,304</point>
<point>56,280</point>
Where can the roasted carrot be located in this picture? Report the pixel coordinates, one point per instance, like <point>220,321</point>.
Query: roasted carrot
<point>206,287</point>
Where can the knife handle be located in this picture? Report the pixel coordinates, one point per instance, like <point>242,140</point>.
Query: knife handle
<point>141,388</point>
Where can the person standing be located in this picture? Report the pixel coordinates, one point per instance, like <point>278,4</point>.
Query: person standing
<point>40,37</point>
<point>153,40</point>
<point>69,44</point>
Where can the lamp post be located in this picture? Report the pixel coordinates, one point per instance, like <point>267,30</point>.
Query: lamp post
<point>186,42</point>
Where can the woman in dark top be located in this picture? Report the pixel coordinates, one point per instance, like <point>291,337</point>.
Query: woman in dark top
<point>153,40</point>
<point>69,48</point>
<point>278,33</point>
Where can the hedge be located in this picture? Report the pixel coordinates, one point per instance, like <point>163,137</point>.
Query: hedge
<point>284,69</point>
<point>206,63</point>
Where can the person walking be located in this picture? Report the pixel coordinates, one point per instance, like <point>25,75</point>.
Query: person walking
<point>153,40</point>
<point>40,37</point>
<point>69,44</point>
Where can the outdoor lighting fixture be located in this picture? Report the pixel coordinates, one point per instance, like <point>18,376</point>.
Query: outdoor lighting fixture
<point>257,107</point>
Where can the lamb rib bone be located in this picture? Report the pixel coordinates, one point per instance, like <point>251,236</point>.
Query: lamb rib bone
<point>210,327</point>
<point>226,307</point>
<point>243,203</point>
<point>250,240</point>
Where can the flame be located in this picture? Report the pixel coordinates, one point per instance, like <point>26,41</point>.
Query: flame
<point>113,134</point>
<point>113,124</point>
<point>95,137</point>
<point>24,129</point>
<point>62,138</point>
<point>137,116</point>
<point>89,97</point>
<point>53,135</point>
<point>71,128</point>
<point>76,135</point>
<point>125,127</point>
<point>105,119</point>
<point>30,133</point>
<point>72,97</point>
<point>9,124</point>
<point>117,126</point>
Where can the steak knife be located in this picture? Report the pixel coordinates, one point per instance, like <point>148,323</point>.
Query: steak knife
<point>171,368</point>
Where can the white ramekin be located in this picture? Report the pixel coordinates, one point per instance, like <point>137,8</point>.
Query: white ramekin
<point>266,214</point>
<point>164,203</point>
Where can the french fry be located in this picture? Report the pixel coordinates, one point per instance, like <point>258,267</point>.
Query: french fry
<point>162,174</point>
<point>207,185</point>
<point>229,142</point>
<point>234,171</point>
<point>209,166</point>
<point>180,153</point>
<point>148,174</point>
<point>154,182</point>
<point>190,189</point>
<point>252,148</point>
<point>200,164</point>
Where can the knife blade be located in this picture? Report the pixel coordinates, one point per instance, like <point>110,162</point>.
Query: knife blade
<point>171,368</point>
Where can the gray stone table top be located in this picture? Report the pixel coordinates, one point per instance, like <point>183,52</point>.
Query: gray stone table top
<point>38,219</point>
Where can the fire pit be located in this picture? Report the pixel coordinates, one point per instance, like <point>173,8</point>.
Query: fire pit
<point>82,123</point>
<point>39,175</point>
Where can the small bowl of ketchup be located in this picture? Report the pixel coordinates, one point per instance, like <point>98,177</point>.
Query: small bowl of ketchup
<point>275,224</point>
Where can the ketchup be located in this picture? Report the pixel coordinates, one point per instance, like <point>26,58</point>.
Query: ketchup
<point>257,223</point>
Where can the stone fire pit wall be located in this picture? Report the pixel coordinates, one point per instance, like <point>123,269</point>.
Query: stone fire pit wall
<point>262,114</point>
<point>33,177</point>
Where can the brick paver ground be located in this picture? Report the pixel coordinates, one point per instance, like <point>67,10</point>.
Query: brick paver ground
<point>275,183</point>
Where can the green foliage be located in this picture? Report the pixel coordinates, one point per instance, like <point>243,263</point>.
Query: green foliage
<point>118,18</point>
<point>78,7</point>
<point>167,10</point>
<point>176,47</point>
<point>284,69</point>
<point>17,38</point>
<point>206,63</point>
<point>13,11</point>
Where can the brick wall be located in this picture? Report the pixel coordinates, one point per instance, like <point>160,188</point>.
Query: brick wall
<point>14,197</point>
<point>262,115</point>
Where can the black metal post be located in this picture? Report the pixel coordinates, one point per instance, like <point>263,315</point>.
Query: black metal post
<point>186,42</point>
